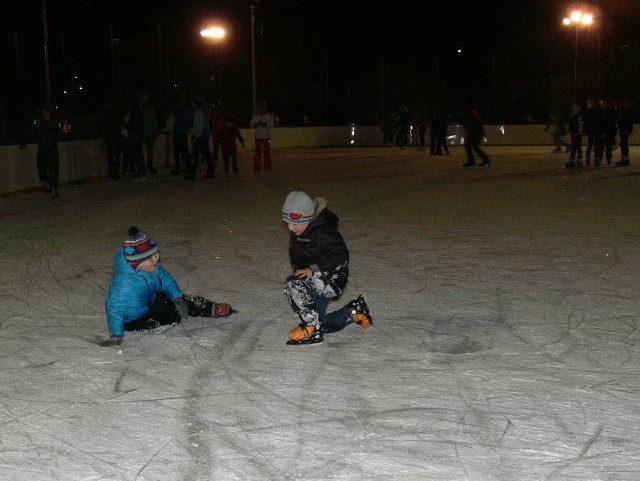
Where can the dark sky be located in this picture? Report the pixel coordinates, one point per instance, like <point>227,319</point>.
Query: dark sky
<point>336,61</point>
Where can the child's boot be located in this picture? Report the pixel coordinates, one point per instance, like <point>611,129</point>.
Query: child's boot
<point>220,309</point>
<point>305,334</point>
<point>361,313</point>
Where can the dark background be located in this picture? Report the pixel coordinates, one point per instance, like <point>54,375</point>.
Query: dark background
<point>336,62</point>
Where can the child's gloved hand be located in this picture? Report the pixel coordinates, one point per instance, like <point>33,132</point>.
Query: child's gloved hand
<point>112,341</point>
<point>181,307</point>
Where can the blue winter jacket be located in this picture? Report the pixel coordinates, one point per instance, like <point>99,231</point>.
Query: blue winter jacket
<point>131,292</point>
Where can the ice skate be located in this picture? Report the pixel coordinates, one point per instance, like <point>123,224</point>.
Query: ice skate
<point>220,309</point>
<point>361,313</point>
<point>304,334</point>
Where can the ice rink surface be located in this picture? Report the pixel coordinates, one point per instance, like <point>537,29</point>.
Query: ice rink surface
<point>505,344</point>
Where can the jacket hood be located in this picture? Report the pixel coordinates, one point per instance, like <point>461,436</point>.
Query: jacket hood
<point>120,264</point>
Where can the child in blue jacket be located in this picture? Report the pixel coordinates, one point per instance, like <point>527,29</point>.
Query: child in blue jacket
<point>144,295</point>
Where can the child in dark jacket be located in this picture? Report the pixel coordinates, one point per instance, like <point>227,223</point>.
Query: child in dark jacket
<point>230,132</point>
<point>320,261</point>
<point>144,295</point>
<point>576,130</point>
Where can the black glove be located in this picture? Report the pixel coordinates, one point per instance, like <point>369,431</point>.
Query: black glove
<point>112,341</point>
<point>181,307</point>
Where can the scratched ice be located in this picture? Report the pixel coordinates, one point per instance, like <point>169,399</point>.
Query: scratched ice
<point>505,344</point>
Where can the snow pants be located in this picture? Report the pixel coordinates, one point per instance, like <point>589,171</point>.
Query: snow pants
<point>310,300</point>
<point>163,312</point>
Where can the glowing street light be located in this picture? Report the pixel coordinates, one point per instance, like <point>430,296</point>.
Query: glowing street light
<point>577,19</point>
<point>214,34</point>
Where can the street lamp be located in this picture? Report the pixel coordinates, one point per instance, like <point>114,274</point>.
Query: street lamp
<point>577,19</point>
<point>253,5</point>
<point>214,34</point>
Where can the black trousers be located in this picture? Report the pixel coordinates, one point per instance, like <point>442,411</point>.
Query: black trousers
<point>163,312</point>
<point>48,165</point>
<point>114,156</point>
<point>200,152</point>
<point>180,151</point>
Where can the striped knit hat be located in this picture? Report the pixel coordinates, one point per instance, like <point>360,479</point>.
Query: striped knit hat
<point>298,208</point>
<point>138,247</point>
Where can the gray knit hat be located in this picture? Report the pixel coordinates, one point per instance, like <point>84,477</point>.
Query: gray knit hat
<point>298,208</point>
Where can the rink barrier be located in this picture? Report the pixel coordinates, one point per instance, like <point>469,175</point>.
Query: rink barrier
<point>84,160</point>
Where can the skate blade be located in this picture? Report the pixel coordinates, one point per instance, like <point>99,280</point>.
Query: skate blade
<point>370,314</point>
<point>310,340</point>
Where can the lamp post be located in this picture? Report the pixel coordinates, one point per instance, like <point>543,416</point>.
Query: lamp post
<point>214,34</point>
<point>46,52</point>
<point>254,4</point>
<point>577,19</point>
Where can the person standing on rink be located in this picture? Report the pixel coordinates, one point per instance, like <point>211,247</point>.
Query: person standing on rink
<point>182,123</point>
<point>47,131</point>
<point>607,130</point>
<point>474,133</point>
<point>200,133</point>
<point>625,125</point>
<point>230,132</point>
<point>576,130</point>
<point>262,121</point>
<point>591,119</point>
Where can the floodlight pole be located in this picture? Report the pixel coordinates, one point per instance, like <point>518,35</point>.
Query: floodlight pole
<point>253,54</point>
<point>46,52</point>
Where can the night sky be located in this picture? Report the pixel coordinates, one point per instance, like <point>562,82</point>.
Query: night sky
<point>335,61</point>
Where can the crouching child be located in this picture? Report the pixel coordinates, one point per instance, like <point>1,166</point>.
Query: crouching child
<point>320,261</point>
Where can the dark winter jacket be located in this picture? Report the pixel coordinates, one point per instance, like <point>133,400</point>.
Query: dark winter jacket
<point>322,248</point>
<point>47,133</point>
<point>625,122</point>
<point>182,120</point>
<point>592,120</point>
<point>608,122</point>
<point>230,132</point>
<point>131,292</point>
<point>576,124</point>
<point>473,128</point>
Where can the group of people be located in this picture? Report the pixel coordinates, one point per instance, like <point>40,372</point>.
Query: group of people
<point>130,132</point>
<point>601,122</point>
<point>143,295</point>
<point>197,134</point>
<point>402,129</point>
